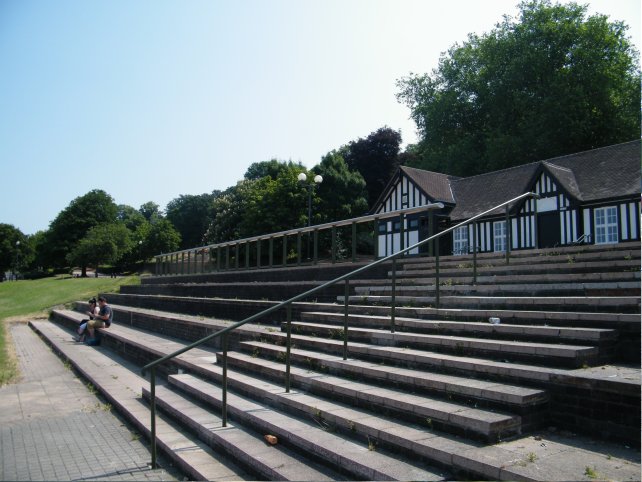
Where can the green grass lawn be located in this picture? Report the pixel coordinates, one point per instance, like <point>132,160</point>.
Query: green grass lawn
<point>27,299</point>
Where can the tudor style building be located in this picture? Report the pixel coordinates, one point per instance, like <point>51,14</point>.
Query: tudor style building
<point>590,197</point>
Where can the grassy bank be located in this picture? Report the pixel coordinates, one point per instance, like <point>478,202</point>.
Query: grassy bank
<point>25,300</point>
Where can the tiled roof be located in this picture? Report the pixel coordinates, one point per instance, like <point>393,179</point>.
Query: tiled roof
<point>594,175</point>
<point>434,184</point>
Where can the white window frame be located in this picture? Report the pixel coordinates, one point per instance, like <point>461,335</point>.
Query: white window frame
<point>499,236</point>
<point>606,225</point>
<point>460,241</point>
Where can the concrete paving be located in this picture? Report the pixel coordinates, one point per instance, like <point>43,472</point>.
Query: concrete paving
<point>52,427</point>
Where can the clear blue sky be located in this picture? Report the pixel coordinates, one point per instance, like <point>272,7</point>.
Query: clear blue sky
<point>151,99</point>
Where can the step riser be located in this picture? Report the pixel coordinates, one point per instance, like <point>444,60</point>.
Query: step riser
<point>552,291</point>
<point>449,392</point>
<point>481,330</point>
<point>546,356</point>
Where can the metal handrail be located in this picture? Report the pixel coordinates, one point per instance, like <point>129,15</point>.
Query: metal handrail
<point>288,305</point>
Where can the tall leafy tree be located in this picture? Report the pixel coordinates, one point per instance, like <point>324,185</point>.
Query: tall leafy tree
<point>72,224</point>
<point>161,238</point>
<point>343,193</point>
<point>271,169</point>
<point>553,81</point>
<point>14,248</point>
<point>375,158</point>
<point>191,215</point>
<point>105,243</point>
<point>151,211</point>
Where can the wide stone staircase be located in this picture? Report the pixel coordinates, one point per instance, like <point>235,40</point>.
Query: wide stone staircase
<point>530,371</point>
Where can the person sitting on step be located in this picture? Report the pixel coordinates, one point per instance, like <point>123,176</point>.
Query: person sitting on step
<point>92,312</point>
<point>101,320</point>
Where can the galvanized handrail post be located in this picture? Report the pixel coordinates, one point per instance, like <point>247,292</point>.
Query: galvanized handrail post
<point>393,295</point>
<point>224,382</point>
<point>334,244</point>
<point>508,240</point>
<point>437,281</point>
<point>152,402</point>
<point>474,252</point>
<point>316,247</point>
<point>288,344</point>
<point>354,241</point>
<point>346,299</point>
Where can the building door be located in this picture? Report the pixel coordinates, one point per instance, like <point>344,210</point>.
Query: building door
<point>548,230</point>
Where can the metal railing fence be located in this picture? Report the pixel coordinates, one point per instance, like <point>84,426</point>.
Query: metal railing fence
<point>223,333</point>
<point>250,252</point>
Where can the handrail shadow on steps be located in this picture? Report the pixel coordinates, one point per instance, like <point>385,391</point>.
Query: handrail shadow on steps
<point>223,333</point>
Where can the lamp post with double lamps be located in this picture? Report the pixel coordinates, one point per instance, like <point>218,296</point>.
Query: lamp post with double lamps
<point>309,185</point>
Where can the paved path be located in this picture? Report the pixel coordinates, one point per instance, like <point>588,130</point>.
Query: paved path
<point>53,428</point>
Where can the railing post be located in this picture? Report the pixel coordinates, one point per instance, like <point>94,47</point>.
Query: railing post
<point>474,252</point>
<point>534,222</point>
<point>288,310</point>
<point>315,258</point>
<point>375,241</point>
<point>258,253</point>
<point>218,258</point>
<point>203,260</point>
<point>271,252</point>
<point>224,383</point>
<point>393,295</point>
<point>346,296</point>
<point>183,262</point>
<point>227,256</point>
<point>285,250</point>
<point>334,244</point>
<point>152,401</point>
<point>247,255</point>
<point>237,249</point>
<point>402,233</point>
<point>437,273</point>
<point>508,233</point>
<point>354,241</point>
<point>298,248</point>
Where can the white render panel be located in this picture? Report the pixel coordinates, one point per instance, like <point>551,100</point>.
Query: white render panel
<point>382,246</point>
<point>634,213</point>
<point>586,213</point>
<point>624,226</point>
<point>546,204</point>
<point>562,230</point>
<point>574,235</point>
<point>514,241</point>
<point>413,238</point>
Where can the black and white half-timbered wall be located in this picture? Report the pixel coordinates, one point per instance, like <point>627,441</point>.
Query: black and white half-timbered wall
<point>591,197</point>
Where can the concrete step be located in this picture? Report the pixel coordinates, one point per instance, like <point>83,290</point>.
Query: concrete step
<point>121,385</point>
<point>548,354</point>
<point>466,268</point>
<point>481,329</point>
<point>619,288</point>
<point>468,390</point>
<point>594,304</point>
<point>445,415</point>
<point>267,462</point>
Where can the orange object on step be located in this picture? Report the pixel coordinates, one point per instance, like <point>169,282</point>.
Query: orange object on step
<point>271,439</point>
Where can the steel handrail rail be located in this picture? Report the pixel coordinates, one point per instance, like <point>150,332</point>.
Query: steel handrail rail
<point>311,229</point>
<point>287,303</point>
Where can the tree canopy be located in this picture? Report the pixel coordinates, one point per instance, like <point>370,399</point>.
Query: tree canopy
<point>191,215</point>
<point>553,81</point>
<point>375,158</point>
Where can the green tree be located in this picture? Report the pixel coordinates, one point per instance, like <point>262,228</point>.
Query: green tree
<point>14,249</point>
<point>161,238</point>
<point>551,82</point>
<point>151,211</point>
<point>72,224</point>
<point>130,217</point>
<point>375,158</point>
<point>191,215</point>
<point>271,169</point>
<point>105,243</point>
<point>343,193</point>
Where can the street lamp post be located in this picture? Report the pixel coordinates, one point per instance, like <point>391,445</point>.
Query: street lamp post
<point>303,179</point>
<point>309,185</point>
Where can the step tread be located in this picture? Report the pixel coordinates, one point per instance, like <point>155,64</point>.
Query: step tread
<point>122,387</point>
<point>366,463</point>
<point>274,462</point>
<point>490,390</point>
<point>485,327</point>
<point>481,421</point>
<point>503,346</point>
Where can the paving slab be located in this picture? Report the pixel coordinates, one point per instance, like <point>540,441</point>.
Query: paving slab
<point>52,427</point>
